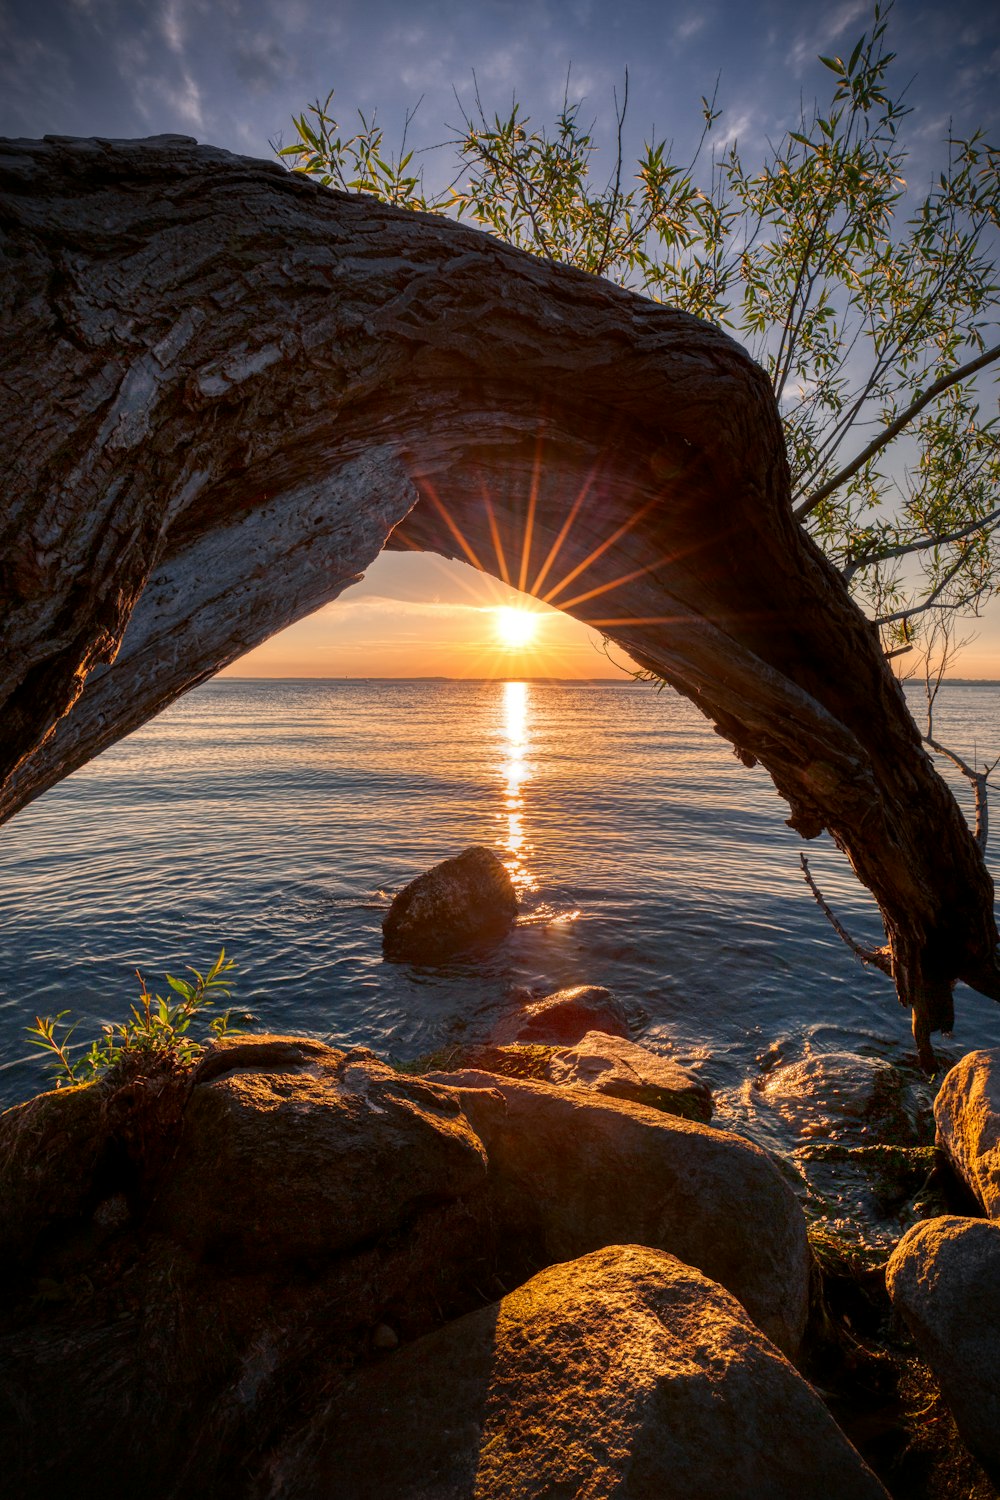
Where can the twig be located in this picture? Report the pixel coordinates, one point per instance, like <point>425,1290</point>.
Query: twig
<point>880,957</point>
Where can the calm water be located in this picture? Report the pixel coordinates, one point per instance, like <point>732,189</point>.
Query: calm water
<point>276,818</point>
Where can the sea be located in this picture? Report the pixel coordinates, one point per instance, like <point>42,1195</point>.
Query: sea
<point>276,819</point>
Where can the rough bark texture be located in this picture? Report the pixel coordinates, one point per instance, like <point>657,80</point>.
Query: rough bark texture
<point>224,388</point>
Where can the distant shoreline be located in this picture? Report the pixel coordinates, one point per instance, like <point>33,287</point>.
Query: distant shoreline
<point>561,681</point>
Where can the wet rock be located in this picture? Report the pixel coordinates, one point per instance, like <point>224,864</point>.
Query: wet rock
<point>50,1149</point>
<point>571,1171</point>
<point>564,1018</point>
<point>944,1277</point>
<point>625,1373</point>
<point>847,1097</point>
<point>280,1161</point>
<point>465,902</point>
<point>616,1066</point>
<point>967,1112</point>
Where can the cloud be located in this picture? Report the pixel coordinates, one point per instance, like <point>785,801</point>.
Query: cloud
<point>172,26</point>
<point>818,39</point>
<point>262,63</point>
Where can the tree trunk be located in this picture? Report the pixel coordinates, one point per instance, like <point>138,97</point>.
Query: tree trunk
<point>225,389</point>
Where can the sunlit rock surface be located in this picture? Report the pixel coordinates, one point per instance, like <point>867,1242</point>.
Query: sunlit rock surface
<point>462,903</point>
<point>624,1373</point>
<point>565,1017</point>
<point>571,1171</point>
<point>967,1112</point>
<point>616,1066</point>
<point>945,1279</point>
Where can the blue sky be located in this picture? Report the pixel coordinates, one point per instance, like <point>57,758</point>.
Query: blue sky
<point>232,72</point>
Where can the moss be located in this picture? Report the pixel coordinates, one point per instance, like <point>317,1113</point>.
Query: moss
<point>896,1175</point>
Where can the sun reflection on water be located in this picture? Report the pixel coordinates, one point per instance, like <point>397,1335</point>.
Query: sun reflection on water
<point>515,771</point>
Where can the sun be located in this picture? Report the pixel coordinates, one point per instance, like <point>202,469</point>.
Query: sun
<point>516,627</point>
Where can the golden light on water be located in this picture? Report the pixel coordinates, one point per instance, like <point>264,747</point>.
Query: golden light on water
<point>516,772</point>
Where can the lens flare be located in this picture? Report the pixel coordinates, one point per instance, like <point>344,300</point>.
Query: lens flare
<point>516,628</point>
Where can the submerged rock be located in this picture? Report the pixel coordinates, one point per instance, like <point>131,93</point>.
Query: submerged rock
<point>944,1277</point>
<point>465,902</point>
<point>625,1373</point>
<point>564,1017</point>
<point>571,1171</point>
<point>967,1112</point>
<point>845,1096</point>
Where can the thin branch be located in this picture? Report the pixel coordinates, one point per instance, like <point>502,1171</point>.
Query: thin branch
<point>880,957</point>
<point>895,428</point>
<point>617,191</point>
<point>920,544</point>
<point>932,598</point>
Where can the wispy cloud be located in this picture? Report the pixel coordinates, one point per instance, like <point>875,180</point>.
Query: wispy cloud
<point>821,37</point>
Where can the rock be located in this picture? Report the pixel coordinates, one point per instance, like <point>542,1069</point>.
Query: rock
<point>50,1149</point>
<point>315,1205</point>
<point>847,1097</point>
<point>616,1066</point>
<point>306,1156</point>
<point>606,1064</point>
<point>564,1018</point>
<point>571,1171</point>
<point>624,1373</point>
<point>462,903</point>
<point>967,1112</point>
<point>945,1279</point>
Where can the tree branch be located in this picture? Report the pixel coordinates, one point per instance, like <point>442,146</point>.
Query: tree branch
<point>880,957</point>
<point>920,544</point>
<point>894,429</point>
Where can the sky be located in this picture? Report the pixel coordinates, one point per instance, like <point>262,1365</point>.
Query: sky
<point>233,72</point>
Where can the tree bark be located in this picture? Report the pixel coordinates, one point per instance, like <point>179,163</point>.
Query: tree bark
<point>224,389</point>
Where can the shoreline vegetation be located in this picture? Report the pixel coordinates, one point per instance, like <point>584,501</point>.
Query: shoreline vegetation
<point>271,1267</point>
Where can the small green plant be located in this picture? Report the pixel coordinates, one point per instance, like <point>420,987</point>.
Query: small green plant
<point>156,1038</point>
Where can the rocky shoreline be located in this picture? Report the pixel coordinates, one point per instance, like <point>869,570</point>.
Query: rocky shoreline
<point>530,1269</point>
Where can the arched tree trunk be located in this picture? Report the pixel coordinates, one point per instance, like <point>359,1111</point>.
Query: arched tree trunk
<point>224,389</point>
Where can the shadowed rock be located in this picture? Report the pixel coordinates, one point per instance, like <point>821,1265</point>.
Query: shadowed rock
<point>462,903</point>
<point>281,1162</point>
<point>623,1374</point>
<point>944,1277</point>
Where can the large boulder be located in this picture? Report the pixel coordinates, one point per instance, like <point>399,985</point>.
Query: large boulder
<point>571,1171</point>
<point>967,1112</point>
<point>311,1205</point>
<point>564,1018</point>
<point>944,1277</point>
<point>465,902</point>
<point>292,1150</point>
<point>625,1373</point>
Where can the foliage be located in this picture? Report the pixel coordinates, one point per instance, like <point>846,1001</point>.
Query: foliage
<point>872,312</point>
<point>155,1038</point>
